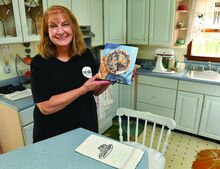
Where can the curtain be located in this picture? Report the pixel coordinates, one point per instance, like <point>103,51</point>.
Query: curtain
<point>203,14</point>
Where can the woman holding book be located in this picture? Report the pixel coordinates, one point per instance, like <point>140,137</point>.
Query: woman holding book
<point>63,78</point>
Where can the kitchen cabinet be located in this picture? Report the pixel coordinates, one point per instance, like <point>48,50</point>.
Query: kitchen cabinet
<point>151,22</point>
<point>161,22</point>
<point>97,22</point>
<point>115,21</point>
<point>138,21</point>
<point>80,8</point>
<point>209,126</point>
<point>188,111</point>
<point>153,94</point>
<point>10,130</point>
<point>126,95</point>
<point>20,20</point>
<point>66,3</point>
<point>10,24</point>
<point>31,13</point>
<point>203,116</point>
<point>82,11</point>
<point>16,127</point>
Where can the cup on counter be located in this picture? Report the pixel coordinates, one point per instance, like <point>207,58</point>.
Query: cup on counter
<point>180,66</point>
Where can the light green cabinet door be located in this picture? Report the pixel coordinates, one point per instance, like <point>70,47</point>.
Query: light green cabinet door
<point>82,11</point>
<point>97,22</point>
<point>138,21</point>
<point>115,21</point>
<point>126,95</point>
<point>66,3</point>
<point>209,126</point>
<point>10,25</point>
<point>162,15</point>
<point>188,111</point>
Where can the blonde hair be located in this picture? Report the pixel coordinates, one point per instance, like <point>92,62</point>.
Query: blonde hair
<point>46,48</point>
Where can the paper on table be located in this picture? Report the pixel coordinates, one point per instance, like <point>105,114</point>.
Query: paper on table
<point>110,152</point>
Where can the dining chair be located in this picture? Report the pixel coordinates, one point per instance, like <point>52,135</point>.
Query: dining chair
<point>156,133</point>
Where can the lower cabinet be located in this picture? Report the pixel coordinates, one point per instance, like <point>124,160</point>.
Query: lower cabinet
<point>156,95</point>
<point>126,95</point>
<point>209,125</point>
<point>16,127</point>
<point>188,111</point>
<point>197,109</point>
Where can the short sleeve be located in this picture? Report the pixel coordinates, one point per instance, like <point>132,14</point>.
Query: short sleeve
<point>40,81</point>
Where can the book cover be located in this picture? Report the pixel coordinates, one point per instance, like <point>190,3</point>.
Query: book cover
<point>118,63</point>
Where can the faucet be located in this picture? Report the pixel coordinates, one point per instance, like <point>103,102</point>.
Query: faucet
<point>210,66</point>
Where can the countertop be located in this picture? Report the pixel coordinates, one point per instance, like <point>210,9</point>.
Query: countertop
<point>27,102</point>
<point>177,76</point>
<point>20,104</point>
<point>56,153</point>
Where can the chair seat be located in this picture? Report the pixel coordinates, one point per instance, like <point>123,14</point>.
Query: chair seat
<point>155,158</point>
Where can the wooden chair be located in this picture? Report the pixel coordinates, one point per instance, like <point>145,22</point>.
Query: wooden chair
<point>156,152</point>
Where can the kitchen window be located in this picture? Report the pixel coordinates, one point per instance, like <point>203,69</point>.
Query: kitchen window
<point>204,31</point>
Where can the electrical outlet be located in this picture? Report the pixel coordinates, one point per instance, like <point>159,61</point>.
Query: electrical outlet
<point>7,69</point>
<point>5,48</point>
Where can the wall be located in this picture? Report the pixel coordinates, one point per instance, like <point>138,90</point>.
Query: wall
<point>147,52</point>
<point>8,53</point>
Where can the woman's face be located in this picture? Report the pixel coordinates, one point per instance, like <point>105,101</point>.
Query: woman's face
<point>60,30</point>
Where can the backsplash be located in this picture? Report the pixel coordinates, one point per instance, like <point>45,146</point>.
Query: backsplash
<point>7,55</point>
<point>147,52</point>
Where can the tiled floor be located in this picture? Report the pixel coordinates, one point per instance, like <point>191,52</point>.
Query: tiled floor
<point>183,148</point>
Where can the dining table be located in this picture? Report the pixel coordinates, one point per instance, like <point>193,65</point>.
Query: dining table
<point>58,153</point>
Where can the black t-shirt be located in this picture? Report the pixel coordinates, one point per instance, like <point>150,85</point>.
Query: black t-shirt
<point>52,76</point>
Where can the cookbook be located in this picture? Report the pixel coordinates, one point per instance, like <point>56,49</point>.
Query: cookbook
<point>117,63</point>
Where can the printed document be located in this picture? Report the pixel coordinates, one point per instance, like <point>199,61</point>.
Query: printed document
<point>110,152</point>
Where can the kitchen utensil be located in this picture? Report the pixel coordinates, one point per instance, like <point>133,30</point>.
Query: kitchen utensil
<point>163,53</point>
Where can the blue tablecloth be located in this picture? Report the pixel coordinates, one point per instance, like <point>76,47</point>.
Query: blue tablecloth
<point>56,153</point>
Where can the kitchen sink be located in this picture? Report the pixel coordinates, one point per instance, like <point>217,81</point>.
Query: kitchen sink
<point>204,75</point>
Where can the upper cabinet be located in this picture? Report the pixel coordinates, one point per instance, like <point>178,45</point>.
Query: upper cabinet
<point>80,8</point>
<point>138,21</point>
<point>97,22</point>
<point>66,3</point>
<point>20,20</point>
<point>115,21</point>
<point>151,22</point>
<point>181,21</point>
<point>31,12</point>
<point>161,22</point>
<point>10,28</point>
<point>82,11</point>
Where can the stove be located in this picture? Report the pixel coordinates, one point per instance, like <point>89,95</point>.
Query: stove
<point>11,88</point>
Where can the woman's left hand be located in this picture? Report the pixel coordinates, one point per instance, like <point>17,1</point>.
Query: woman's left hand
<point>93,83</point>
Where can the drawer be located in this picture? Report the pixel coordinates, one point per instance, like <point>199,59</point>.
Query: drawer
<point>162,111</point>
<point>156,96</point>
<point>156,81</point>
<point>28,134</point>
<point>202,88</point>
<point>26,116</point>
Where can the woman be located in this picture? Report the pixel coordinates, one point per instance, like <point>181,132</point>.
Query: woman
<point>62,78</point>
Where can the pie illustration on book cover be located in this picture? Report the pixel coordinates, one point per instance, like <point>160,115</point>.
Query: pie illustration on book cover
<point>118,62</point>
